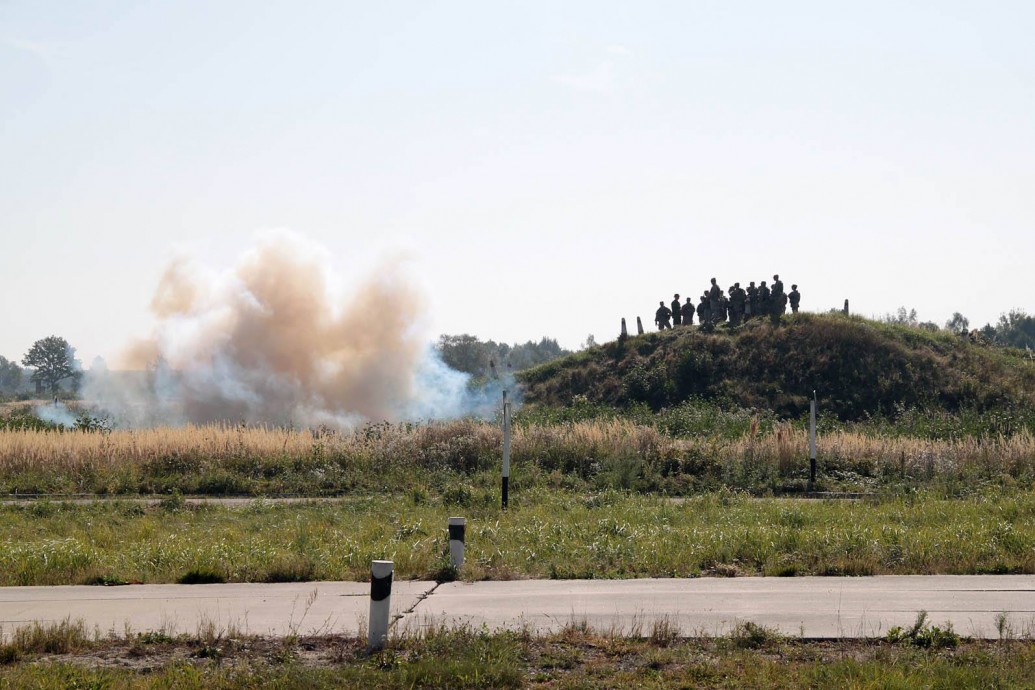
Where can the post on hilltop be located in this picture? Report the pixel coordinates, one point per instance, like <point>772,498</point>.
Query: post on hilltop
<point>639,326</point>
<point>506,449</point>
<point>625,331</point>
<point>812,440</point>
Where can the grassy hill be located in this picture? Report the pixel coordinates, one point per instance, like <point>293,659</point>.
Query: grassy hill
<point>859,368</point>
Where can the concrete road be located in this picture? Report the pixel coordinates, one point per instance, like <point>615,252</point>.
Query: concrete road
<point>302,608</point>
<point>814,607</point>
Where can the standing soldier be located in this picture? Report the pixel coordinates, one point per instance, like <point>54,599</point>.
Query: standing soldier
<point>724,305</point>
<point>703,311</point>
<point>737,304</point>
<point>752,301</point>
<point>795,297</point>
<point>779,305</point>
<point>714,293</point>
<point>661,317</point>
<point>677,317</point>
<point>777,300</point>
<point>763,299</point>
<point>688,312</point>
<point>729,306</point>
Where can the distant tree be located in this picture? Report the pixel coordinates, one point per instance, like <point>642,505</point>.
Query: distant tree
<point>1014,329</point>
<point>590,342</point>
<point>958,323</point>
<point>902,317</point>
<point>10,375</point>
<point>465,353</point>
<point>54,361</point>
<point>531,354</point>
<point>469,354</point>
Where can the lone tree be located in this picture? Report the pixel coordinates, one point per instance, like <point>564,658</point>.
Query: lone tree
<point>54,361</point>
<point>958,323</point>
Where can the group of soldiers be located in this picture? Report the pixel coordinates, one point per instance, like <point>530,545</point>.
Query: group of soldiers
<point>715,306</point>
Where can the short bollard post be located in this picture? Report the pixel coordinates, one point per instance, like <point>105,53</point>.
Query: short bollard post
<point>457,528</point>
<point>380,603</point>
<point>639,326</point>
<point>625,331</point>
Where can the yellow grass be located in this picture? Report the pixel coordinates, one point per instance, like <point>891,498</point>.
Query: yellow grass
<point>1010,455</point>
<point>20,450</point>
<point>784,448</point>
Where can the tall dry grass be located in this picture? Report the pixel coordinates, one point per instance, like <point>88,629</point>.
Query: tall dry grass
<point>258,459</point>
<point>64,450</point>
<point>874,455</point>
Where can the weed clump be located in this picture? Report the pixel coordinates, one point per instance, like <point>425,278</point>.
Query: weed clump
<point>748,635</point>
<point>63,637</point>
<point>924,635</point>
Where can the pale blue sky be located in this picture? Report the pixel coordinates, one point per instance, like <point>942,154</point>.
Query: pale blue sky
<point>547,168</point>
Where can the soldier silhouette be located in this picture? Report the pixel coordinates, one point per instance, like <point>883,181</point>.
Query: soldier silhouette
<point>763,299</point>
<point>738,299</point>
<point>688,312</point>
<point>704,311</point>
<point>751,308</point>
<point>714,301</point>
<point>662,316</point>
<point>795,299</point>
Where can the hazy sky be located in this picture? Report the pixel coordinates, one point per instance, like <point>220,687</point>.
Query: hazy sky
<point>544,168</point>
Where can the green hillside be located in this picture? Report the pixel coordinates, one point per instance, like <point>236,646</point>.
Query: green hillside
<point>859,368</point>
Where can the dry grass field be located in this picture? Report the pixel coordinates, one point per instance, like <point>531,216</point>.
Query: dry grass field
<point>617,453</point>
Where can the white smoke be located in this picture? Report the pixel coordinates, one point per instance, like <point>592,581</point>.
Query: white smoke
<point>269,342</point>
<point>56,413</point>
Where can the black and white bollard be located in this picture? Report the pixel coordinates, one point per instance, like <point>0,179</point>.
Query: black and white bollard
<point>845,310</point>
<point>506,449</point>
<point>639,326</point>
<point>457,528</point>
<point>812,439</point>
<point>625,331</point>
<point>380,604</point>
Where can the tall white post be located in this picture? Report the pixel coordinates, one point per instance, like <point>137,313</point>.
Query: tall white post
<point>457,528</point>
<point>380,603</point>
<point>812,439</point>
<point>506,449</point>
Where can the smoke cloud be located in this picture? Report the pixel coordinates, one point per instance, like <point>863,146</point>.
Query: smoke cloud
<point>270,342</point>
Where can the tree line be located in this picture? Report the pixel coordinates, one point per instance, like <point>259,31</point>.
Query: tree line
<point>1013,329</point>
<point>468,354</point>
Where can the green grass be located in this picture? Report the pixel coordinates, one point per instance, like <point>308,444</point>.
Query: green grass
<point>547,533</point>
<point>574,658</point>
